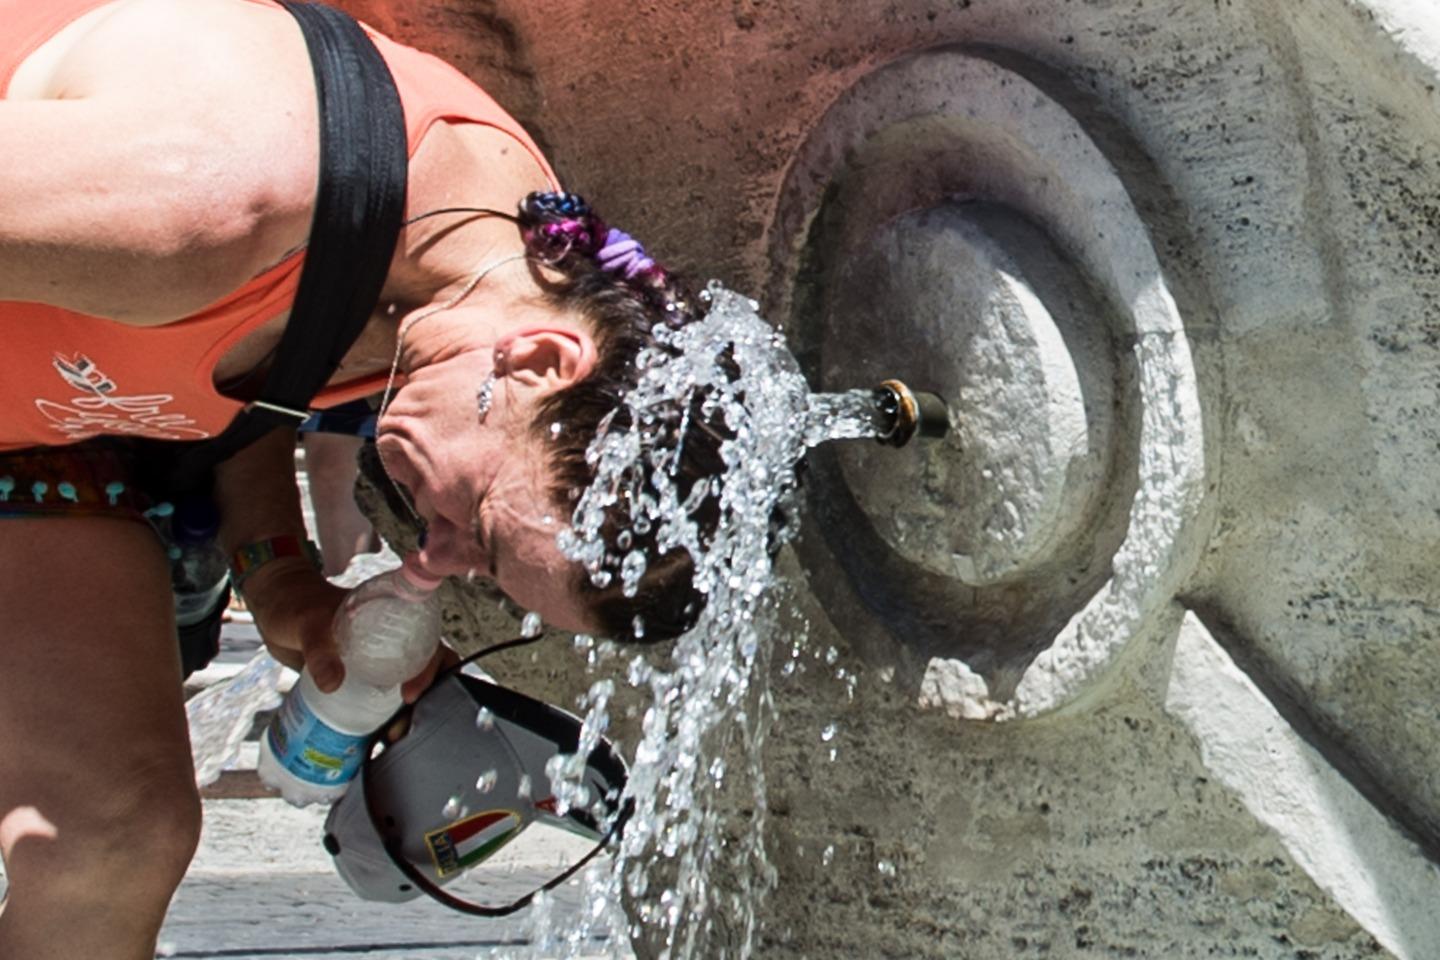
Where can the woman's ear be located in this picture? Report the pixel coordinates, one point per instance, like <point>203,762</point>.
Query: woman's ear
<point>551,358</point>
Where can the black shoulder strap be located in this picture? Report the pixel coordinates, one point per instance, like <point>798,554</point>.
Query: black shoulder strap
<point>359,209</point>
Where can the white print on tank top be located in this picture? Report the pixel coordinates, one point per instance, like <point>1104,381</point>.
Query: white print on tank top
<point>99,409</point>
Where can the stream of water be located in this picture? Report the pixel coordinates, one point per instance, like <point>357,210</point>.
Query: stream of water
<point>680,870</point>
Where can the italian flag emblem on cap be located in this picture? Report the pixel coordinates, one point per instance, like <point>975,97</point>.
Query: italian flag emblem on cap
<point>465,843</point>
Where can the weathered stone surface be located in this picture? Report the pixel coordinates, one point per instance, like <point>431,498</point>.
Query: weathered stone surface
<point>1016,158</point>
<point>1281,161</point>
<point>1099,834</point>
<point>942,294</point>
<point>1376,873</point>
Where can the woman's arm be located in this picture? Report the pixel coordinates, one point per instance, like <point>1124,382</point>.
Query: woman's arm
<point>112,211</point>
<point>174,159</point>
<point>292,602</point>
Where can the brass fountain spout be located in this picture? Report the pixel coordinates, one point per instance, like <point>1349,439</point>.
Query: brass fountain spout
<point>902,413</point>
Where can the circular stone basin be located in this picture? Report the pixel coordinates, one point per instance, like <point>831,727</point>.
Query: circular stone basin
<point>955,221</point>
<point>971,302</point>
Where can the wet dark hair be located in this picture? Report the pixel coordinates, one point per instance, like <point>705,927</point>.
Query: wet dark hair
<point>606,278</point>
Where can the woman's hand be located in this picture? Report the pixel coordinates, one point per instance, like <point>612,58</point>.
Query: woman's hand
<point>444,659</point>
<point>294,608</point>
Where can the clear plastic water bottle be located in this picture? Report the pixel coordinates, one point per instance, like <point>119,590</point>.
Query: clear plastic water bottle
<point>199,570</point>
<point>386,630</point>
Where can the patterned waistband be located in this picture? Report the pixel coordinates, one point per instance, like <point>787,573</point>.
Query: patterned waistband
<point>86,479</point>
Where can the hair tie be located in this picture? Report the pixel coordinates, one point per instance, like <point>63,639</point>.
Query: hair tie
<point>623,254</point>
<point>555,205</point>
<point>555,241</point>
<point>560,224</point>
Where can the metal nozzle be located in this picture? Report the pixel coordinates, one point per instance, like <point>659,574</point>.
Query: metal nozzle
<point>902,413</point>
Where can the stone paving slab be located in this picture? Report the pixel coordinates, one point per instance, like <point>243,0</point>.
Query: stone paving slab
<point>306,915</point>
<point>262,886</point>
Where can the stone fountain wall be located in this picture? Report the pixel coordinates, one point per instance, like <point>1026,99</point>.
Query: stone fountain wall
<point>1143,660</point>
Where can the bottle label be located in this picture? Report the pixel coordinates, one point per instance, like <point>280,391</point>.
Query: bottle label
<point>310,748</point>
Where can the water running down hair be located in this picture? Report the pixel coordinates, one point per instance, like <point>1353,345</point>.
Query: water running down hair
<point>607,278</point>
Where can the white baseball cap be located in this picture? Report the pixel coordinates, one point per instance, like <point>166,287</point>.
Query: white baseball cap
<point>464,779</point>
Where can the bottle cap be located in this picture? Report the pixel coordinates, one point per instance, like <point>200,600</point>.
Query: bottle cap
<point>195,520</point>
<point>412,569</point>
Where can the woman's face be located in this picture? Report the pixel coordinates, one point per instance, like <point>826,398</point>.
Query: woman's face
<point>483,491</point>
<point>509,538</point>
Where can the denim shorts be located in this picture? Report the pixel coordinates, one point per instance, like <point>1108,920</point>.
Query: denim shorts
<point>98,478</point>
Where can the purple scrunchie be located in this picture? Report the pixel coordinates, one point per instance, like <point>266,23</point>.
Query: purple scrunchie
<point>623,254</point>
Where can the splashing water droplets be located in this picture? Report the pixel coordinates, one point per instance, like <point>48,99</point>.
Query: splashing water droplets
<point>725,380</point>
<point>631,571</point>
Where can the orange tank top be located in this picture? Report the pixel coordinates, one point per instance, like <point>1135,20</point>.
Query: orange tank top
<point>68,376</point>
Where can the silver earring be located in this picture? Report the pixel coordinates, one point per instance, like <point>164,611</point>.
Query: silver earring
<point>485,396</point>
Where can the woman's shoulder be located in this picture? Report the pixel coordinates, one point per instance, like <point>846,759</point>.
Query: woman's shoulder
<point>216,103</point>
<point>235,69</point>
